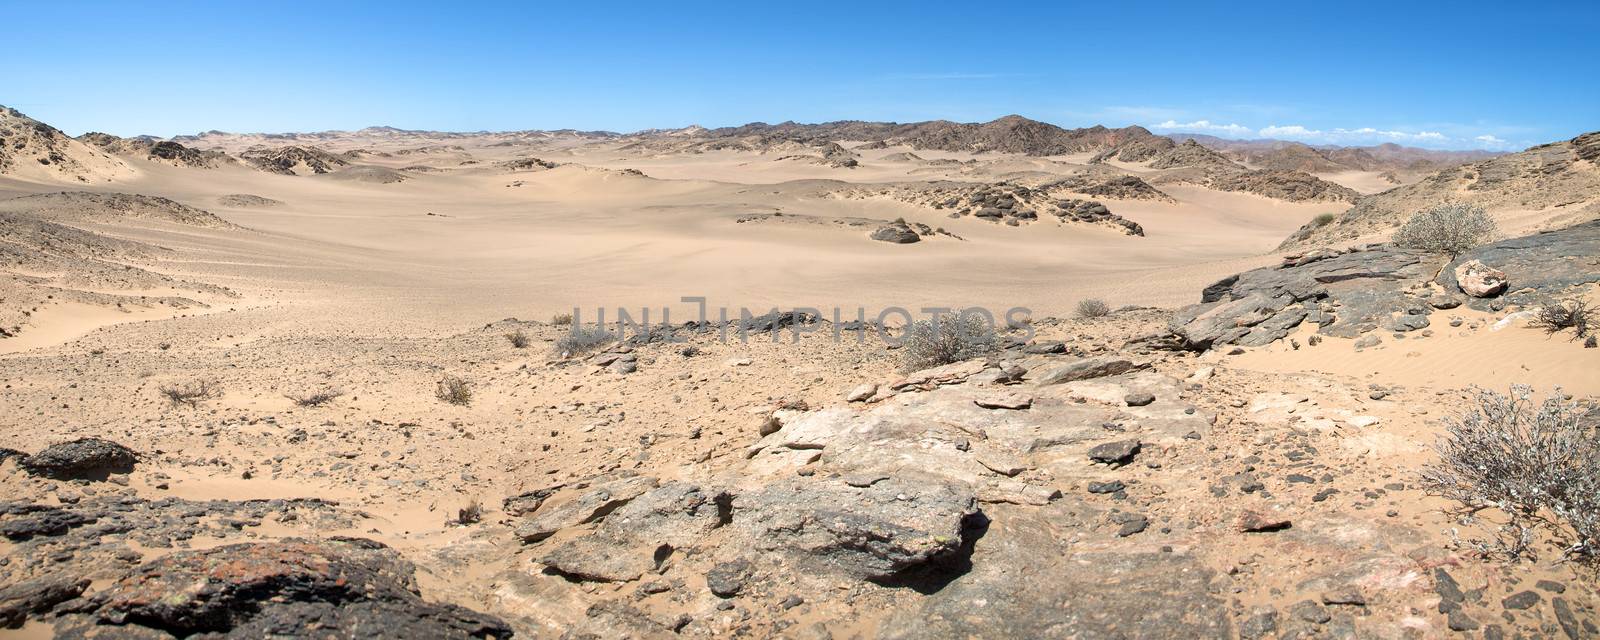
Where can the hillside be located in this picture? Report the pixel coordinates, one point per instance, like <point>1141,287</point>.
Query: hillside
<point>33,150</point>
<point>1559,183</point>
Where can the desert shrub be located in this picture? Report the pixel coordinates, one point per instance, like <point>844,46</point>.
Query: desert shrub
<point>1538,464</point>
<point>1555,317</point>
<point>518,339</point>
<point>1449,229</point>
<point>561,319</point>
<point>314,399</point>
<point>190,393</point>
<point>582,340</point>
<point>1323,220</point>
<point>454,390</point>
<point>947,338</point>
<point>469,514</point>
<point>1093,308</point>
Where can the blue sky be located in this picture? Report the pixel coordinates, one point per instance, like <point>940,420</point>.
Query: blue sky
<point>1446,75</point>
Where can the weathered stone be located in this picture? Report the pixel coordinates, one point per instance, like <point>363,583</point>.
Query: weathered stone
<point>590,505</point>
<point>872,533</point>
<point>84,458</point>
<point>1479,280</point>
<point>1083,369</point>
<point>277,589</point>
<point>36,596</point>
<point>726,579</point>
<point>1256,521</point>
<point>1118,453</point>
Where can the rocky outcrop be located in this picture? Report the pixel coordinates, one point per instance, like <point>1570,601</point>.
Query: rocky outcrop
<point>1292,186</point>
<point>293,160</point>
<point>157,150</point>
<point>84,458</point>
<point>896,233</point>
<point>1536,268</point>
<point>356,586</point>
<point>33,149</point>
<point>1349,293</point>
<point>1002,202</point>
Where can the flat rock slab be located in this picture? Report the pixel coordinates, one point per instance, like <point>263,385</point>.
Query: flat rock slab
<point>1536,267</point>
<point>1026,583</point>
<point>873,533</point>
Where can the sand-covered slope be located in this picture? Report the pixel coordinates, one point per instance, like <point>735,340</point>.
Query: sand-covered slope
<point>1547,186</point>
<point>33,150</point>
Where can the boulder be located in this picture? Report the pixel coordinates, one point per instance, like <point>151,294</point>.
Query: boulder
<point>275,589</point>
<point>874,532</point>
<point>84,458</point>
<point>1479,280</point>
<point>896,234</point>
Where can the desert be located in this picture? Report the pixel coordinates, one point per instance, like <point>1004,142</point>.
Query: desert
<point>997,378</point>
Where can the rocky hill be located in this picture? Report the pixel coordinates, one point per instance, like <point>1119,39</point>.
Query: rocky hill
<point>157,150</point>
<point>1010,134</point>
<point>34,150</point>
<point>1561,180</point>
<point>1297,156</point>
<point>1194,163</point>
<point>293,160</point>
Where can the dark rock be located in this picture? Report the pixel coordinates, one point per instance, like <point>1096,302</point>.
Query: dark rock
<point>1106,487</point>
<point>84,458</point>
<point>1567,620</point>
<point>726,579</point>
<point>36,596</point>
<point>1117,453</point>
<point>1459,621</point>
<point>896,234</point>
<point>1448,589</point>
<point>1551,586</point>
<point>1131,523</point>
<point>49,521</point>
<point>1310,612</point>
<point>1261,624</point>
<point>1521,600</point>
<point>359,587</point>
<point>1139,399</point>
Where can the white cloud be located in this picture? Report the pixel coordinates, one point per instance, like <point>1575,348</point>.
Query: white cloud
<point>1200,126</point>
<point>1437,136</point>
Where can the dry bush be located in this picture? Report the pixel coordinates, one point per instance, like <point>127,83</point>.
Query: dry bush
<point>192,392</point>
<point>454,390</point>
<point>947,338</point>
<point>582,340</point>
<point>561,319</point>
<point>1555,317</point>
<point>1449,229</point>
<point>1323,219</point>
<point>1093,308</point>
<point>1536,463</point>
<point>469,514</point>
<point>314,399</point>
<point>518,339</point>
